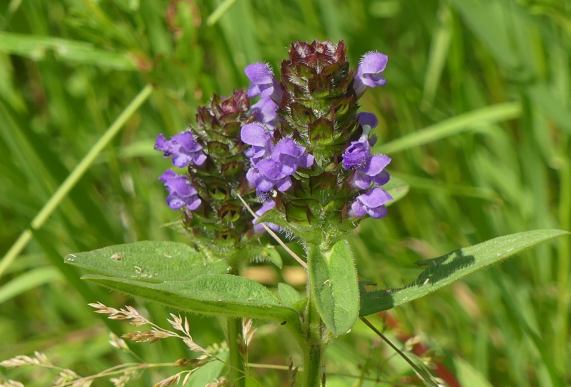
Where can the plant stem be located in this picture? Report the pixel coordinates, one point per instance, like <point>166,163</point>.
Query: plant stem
<point>312,365</point>
<point>236,363</point>
<point>313,345</point>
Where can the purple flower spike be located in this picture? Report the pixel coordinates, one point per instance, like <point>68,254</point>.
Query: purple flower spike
<point>258,228</point>
<point>371,203</point>
<point>182,148</point>
<point>369,72</point>
<point>181,192</point>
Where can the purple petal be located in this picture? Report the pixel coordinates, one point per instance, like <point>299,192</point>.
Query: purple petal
<point>259,73</point>
<point>199,158</point>
<point>254,134</point>
<point>374,198</point>
<point>377,212</point>
<point>252,176</point>
<point>361,180</point>
<point>266,111</point>
<point>368,119</point>
<point>288,147</point>
<point>174,202</point>
<point>373,63</point>
<point>270,169</point>
<point>382,178</point>
<point>268,205</point>
<point>162,144</point>
<point>168,175</point>
<point>356,155</point>
<point>284,184</point>
<point>186,141</point>
<point>181,160</point>
<point>306,161</point>
<point>357,209</point>
<point>377,164</point>
<point>264,185</point>
<point>193,203</point>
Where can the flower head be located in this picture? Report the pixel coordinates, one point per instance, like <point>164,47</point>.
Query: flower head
<point>370,203</point>
<point>182,148</point>
<point>272,165</point>
<point>369,72</point>
<point>181,192</point>
<point>357,154</point>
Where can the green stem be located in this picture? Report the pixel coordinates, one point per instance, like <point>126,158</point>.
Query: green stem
<point>313,345</point>
<point>312,367</point>
<point>236,363</point>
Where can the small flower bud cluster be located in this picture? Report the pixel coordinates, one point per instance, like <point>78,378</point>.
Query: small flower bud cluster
<point>213,156</point>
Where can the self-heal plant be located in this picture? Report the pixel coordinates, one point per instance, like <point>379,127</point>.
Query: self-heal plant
<point>294,156</point>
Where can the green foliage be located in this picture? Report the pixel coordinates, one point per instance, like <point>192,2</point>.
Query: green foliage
<point>148,261</point>
<point>444,270</point>
<point>179,276</point>
<point>334,288</point>
<point>472,177</point>
<point>210,294</point>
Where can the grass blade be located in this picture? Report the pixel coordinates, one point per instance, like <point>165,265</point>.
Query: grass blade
<point>73,178</point>
<point>455,125</point>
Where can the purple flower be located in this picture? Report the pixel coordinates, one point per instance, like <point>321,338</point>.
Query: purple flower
<point>258,228</point>
<point>262,81</point>
<point>357,154</point>
<point>272,165</point>
<point>372,172</point>
<point>266,111</point>
<point>369,72</point>
<point>182,148</point>
<point>371,203</point>
<point>260,139</point>
<point>367,119</point>
<point>291,155</point>
<point>181,192</point>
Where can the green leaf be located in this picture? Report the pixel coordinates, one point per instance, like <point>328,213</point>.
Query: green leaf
<point>288,295</point>
<point>27,281</point>
<point>334,286</point>
<point>149,261</point>
<point>454,125</point>
<point>397,188</point>
<point>36,47</point>
<point>212,294</point>
<point>448,268</point>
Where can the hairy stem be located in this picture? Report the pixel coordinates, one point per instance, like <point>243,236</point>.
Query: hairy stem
<point>236,363</point>
<point>313,345</point>
<point>312,367</point>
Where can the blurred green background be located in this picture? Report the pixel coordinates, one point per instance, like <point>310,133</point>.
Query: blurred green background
<point>476,115</point>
